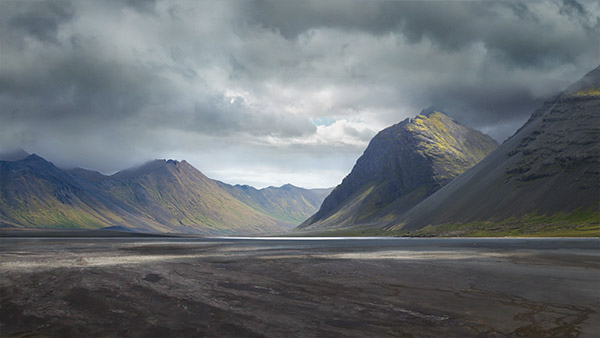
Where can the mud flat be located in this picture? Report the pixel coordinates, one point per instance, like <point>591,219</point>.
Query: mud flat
<point>162,287</point>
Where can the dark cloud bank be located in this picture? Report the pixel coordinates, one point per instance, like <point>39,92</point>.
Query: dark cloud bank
<point>266,92</point>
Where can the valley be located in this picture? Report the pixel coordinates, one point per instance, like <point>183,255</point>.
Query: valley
<point>424,176</point>
<point>177,168</point>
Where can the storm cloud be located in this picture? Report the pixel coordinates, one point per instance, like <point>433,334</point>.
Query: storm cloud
<point>271,92</point>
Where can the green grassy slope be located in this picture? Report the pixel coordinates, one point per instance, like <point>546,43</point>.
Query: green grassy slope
<point>579,223</point>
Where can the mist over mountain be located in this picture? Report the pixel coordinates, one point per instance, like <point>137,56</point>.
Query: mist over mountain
<point>14,155</point>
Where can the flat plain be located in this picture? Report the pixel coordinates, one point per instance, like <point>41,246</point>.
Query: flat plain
<point>299,287</point>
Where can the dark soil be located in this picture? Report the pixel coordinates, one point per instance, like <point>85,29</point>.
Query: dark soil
<point>79,288</point>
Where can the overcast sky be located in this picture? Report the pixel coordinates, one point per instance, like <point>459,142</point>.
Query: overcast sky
<point>271,92</point>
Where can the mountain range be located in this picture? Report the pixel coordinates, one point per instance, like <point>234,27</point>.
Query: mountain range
<point>159,196</point>
<point>544,180</point>
<point>287,203</point>
<point>425,176</point>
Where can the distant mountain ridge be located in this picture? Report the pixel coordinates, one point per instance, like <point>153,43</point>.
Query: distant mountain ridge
<point>402,165</point>
<point>159,196</point>
<point>287,203</point>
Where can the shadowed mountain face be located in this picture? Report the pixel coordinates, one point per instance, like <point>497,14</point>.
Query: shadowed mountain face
<point>287,203</point>
<point>165,196</point>
<point>550,166</point>
<point>402,165</point>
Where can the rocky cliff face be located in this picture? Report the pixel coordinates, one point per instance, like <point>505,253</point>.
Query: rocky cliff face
<point>402,165</point>
<point>550,166</point>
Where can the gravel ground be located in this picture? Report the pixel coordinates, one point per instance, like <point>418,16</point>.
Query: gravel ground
<point>78,287</point>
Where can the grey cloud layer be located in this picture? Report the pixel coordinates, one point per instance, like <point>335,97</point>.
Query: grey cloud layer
<point>110,84</point>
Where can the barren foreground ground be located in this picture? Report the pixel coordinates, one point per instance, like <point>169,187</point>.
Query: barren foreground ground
<point>84,287</point>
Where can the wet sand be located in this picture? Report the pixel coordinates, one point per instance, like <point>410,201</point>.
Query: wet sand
<point>170,287</point>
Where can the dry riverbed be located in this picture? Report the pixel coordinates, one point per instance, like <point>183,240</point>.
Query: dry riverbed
<point>85,287</point>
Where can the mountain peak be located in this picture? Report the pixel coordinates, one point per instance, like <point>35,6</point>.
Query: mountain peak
<point>34,158</point>
<point>159,166</point>
<point>178,164</point>
<point>14,155</point>
<point>430,111</point>
<point>141,170</point>
<point>402,165</point>
<point>244,187</point>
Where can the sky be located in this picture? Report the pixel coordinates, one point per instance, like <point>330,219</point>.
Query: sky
<point>273,92</point>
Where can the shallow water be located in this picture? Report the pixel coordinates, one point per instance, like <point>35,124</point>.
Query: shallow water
<point>592,244</point>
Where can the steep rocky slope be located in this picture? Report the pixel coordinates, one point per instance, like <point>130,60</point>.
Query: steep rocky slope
<point>402,165</point>
<point>549,167</point>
